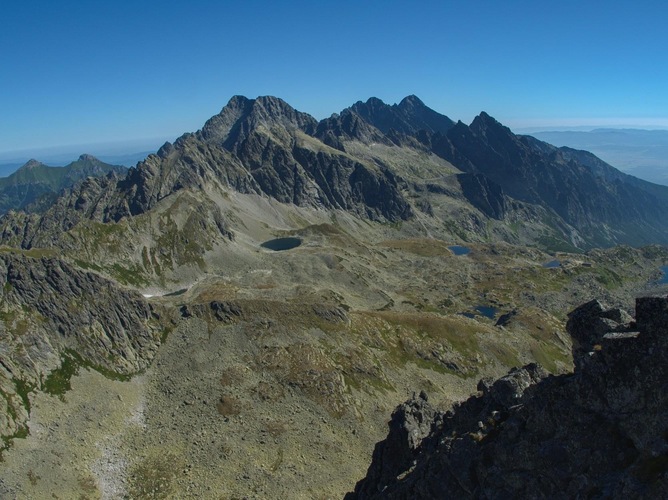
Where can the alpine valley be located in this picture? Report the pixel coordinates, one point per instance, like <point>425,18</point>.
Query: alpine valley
<point>238,315</point>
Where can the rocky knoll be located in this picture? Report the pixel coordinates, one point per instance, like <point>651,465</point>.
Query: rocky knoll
<point>56,317</point>
<point>601,432</point>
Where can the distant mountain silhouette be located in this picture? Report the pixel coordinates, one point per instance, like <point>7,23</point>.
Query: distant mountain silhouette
<point>641,153</point>
<point>35,180</point>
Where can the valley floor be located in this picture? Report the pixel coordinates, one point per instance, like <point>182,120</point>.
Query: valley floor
<point>281,372</point>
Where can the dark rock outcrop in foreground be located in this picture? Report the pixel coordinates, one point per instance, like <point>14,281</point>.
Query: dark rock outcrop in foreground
<point>601,432</point>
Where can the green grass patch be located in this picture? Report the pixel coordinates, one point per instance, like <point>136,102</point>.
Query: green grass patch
<point>128,275</point>
<point>553,244</point>
<point>442,344</point>
<point>110,374</point>
<point>608,278</point>
<point>35,253</point>
<point>422,247</point>
<point>548,355</point>
<point>57,383</point>
<point>23,389</point>
<point>87,265</point>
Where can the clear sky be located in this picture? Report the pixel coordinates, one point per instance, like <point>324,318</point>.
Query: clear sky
<point>87,71</point>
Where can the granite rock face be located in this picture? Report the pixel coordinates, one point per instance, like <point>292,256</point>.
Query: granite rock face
<point>50,311</point>
<point>601,432</point>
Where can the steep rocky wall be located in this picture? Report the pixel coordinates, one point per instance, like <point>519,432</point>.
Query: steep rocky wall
<point>53,314</point>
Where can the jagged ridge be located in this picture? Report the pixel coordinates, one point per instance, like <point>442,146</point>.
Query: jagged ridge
<point>50,309</point>
<point>600,432</point>
<point>263,146</point>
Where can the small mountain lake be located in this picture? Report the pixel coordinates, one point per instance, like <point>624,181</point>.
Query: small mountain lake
<point>459,250</point>
<point>552,264</point>
<point>664,279</point>
<point>280,244</point>
<point>486,311</point>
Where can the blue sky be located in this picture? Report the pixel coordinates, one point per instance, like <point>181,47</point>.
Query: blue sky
<point>81,72</point>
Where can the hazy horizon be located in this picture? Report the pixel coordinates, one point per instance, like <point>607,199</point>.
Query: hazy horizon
<point>128,152</point>
<point>64,153</point>
<point>107,72</point>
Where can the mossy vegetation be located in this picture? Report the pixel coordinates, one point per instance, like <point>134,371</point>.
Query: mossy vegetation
<point>23,390</point>
<point>57,383</point>
<point>10,403</point>
<point>21,433</point>
<point>80,362</point>
<point>421,247</point>
<point>552,243</point>
<point>549,356</point>
<point>154,476</point>
<point>128,275</point>
<point>439,343</point>
<point>35,253</point>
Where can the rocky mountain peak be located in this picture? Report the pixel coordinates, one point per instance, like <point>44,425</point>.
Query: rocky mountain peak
<point>32,163</point>
<point>270,107</point>
<point>484,122</point>
<point>372,105</point>
<point>411,102</point>
<point>242,115</point>
<point>88,158</point>
<point>408,117</point>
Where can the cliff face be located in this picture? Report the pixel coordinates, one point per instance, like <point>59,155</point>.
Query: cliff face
<point>601,432</point>
<point>54,315</point>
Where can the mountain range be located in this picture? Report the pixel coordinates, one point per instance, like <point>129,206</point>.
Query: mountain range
<point>37,182</point>
<point>641,153</point>
<point>381,162</point>
<point>240,311</point>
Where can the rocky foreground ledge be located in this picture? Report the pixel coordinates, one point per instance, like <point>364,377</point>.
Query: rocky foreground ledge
<point>601,432</point>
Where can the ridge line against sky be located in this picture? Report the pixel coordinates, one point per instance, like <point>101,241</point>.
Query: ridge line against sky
<point>80,73</point>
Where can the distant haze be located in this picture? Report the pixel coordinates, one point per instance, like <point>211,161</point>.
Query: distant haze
<point>641,153</point>
<point>110,71</point>
<point>126,153</point>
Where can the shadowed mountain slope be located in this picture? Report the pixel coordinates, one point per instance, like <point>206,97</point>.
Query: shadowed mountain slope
<point>600,202</point>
